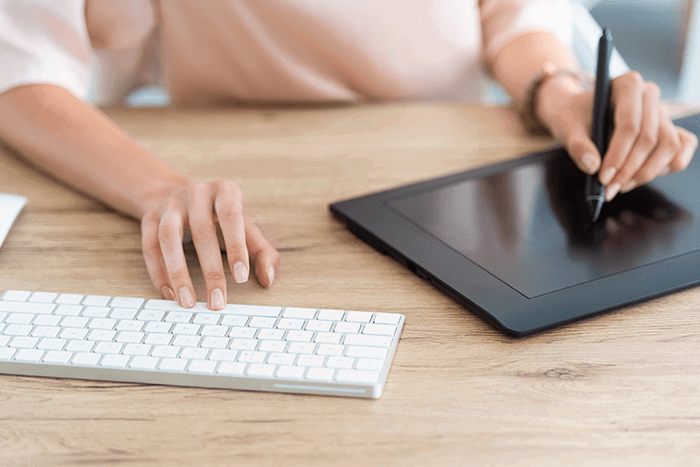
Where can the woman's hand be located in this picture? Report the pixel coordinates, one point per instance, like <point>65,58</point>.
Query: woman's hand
<point>644,145</point>
<point>199,207</point>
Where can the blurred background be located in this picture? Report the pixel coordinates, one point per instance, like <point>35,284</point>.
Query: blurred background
<point>658,38</point>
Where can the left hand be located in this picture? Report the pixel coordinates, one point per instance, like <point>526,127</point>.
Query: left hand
<point>644,145</point>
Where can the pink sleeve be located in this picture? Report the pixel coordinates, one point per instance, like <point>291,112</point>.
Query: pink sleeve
<point>44,41</point>
<point>503,20</point>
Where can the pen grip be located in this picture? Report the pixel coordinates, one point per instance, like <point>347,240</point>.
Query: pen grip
<point>602,112</point>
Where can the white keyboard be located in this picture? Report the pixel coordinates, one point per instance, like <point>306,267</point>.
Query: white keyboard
<point>260,348</point>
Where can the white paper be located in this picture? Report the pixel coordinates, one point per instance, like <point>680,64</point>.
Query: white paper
<point>10,206</point>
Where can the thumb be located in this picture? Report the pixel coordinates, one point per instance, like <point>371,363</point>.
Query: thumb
<point>583,152</point>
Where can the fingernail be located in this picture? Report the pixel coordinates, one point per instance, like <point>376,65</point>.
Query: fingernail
<point>186,299</point>
<point>271,274</point>
<point>606,176</point>
<point>629,187</point>
<point>167,293</point>
<point>240,272</point>
<point>217,299</point>
<point>612,191</point>
<point>590,162</point>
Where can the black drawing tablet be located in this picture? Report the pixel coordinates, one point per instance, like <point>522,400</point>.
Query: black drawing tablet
<point>513,241</point>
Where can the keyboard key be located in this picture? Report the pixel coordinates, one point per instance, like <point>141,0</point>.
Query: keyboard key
<point>108,347</point>
<point>184,340</point>
<point>215,342</point>
<point>16,295</point>
<point>252,357</point>
<point>246,333</point>
<point>123,313</point>
<point>371,341</point>
<point>68,310</point>
<point>206,318</point>
<point>6,353</point>
<point>95,311</point>
<point>261,370</point>
<point>52,344</point>
<point>74,322</point>
<point>299,336</point>
<point>117,361</point>
<point>367,352</point>
<point>24,307</point>
<point>258,322</point>
<point>330,315</point>
<point>183,328</point>
<point>43,297</point>
<point>387,318</point>
<point>178,317</point>
<point>194,353</point>
<point>293,324</point>
<point>328,338</point>
<point>231,369</point>
<point>89,359</point>
<point>173,364</point>
<point>143,363</point>
<point>47,320</point>
<point>126,302</point>
<point>247,310</point>
<point>310,360</point>
<point>232,320</point>
<point>18,330</point>
<point>158,339</point>
<point>271,334</point>
<point>57,356</point>
<point>213,330</point>
<point>301,347</point>
<point>330,349</point>
<point>302,313</point>
<point>290,372</point>
<point>158,327</point>
<point>29,355</point>
<point>73,333</point>
<point>130,337</point>
<point>151,315</point>
<point>272,346</point>
<point>69,299</point>
<point>347,328</point>
<point>130,325</point>
<point>280,358</point>
<point>80,346</point>
<point>356,376</point>
<point>340,362</point>
<point>24,342</point>
<point>358,316</point>
<point>96,300</point>
<point>369,364</point>
<point>101,335</point>
<point>379,329</point>
<point>223,355</point>
<point>244,344</point>
<point>320,374</point>
<point>318,326</point>
<point>202,366</point>
<point>19,318</point>
<point>136,349</point>
<point>102,323</point>
<point>165,351</point>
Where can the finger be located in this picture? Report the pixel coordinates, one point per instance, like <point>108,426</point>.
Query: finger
<point>626,95</point>
<point>645,144</point>
<point>669,146</point>
<point>228,205</point>
<point>689,143</point>
<point>170,239</point>
<point>267,258</point>
<point>153,257</point>
<point>582,151</point>
<point>206,243</point>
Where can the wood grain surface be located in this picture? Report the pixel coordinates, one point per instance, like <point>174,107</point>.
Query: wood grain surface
<point>619,389</point>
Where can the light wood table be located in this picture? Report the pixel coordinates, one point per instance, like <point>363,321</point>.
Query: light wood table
<point>620,389</point>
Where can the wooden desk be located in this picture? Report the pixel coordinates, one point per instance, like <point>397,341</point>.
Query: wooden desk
<point>619,389</point>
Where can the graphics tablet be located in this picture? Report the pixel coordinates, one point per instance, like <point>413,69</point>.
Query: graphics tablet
<point>513,242</point>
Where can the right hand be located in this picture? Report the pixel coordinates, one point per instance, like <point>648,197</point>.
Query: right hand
<point>199,206</point>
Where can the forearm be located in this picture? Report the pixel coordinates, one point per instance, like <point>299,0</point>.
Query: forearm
<point>523,59</point>
<point>78,144</point>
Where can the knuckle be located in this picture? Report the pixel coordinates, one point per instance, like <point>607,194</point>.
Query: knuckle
<point>167,232</point>
<point>652,89</point>
<point>635,78</point>
<point>648,138</point>
<point>214,277</point>
<point>178,276</point>
<point>629,127</point>
<point>229,188</point>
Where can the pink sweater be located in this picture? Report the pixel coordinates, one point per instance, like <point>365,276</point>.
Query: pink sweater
<point>203,51</point>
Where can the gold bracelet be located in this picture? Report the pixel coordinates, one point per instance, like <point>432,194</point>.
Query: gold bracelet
<point>528,107</point>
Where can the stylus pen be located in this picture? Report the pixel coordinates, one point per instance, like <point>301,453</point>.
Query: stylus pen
<point>602,115</point>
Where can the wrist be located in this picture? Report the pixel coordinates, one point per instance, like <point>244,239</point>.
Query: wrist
<point>547,94</point>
